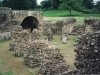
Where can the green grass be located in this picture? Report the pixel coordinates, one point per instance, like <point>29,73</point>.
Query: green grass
<point>54,19</point>
<point>66,49</point>
<point>11,65</point>
<point>65,13</point>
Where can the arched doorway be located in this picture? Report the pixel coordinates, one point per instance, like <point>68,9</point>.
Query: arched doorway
<point>30,22</point>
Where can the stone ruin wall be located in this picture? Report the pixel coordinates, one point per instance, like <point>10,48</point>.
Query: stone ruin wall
<point>90,24</point>
<point>18,14</point>
<point>61,27</point>
<point>7,15</point>
<point>37,52</point>
<point>56,27</point>
<point>87,48</point>
<point>10,18</point>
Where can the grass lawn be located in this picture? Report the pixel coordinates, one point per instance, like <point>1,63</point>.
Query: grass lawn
<point>10,65</point>
<point>65,13</point>
<point>54,19</point>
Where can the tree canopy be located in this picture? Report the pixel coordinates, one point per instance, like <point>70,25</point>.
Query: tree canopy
<point>46,4</point>
<point>20,4</point>
<point>88,3</point>
<point>77,5</point>
<point>98,5</point>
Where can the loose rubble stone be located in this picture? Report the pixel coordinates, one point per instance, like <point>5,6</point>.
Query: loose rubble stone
<point>88,54</point>
<point>69,22</point>
<point>35,35</point>
<point>20,41</point>
<point>8,25</point>
<point>48,25</point>
<point>34,55</point>
<point>91,24</point>
<point>53,62</point>
<point>78,29</point>
<point>37,52</point>
<point>56,28</point>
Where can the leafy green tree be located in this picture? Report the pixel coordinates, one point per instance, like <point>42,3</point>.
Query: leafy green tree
<point>55,4</point>
<point>73,4</point>
<point>98,5</point>
<point>46,4</point>
<point>67,5</point>
<point>19,4</point>
<point>5,3</point>
<point>0,3</point>
<point>33,4</point>
<point>88,4</point>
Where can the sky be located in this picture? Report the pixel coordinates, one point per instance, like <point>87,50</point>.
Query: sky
<point>38,1</point>
<point>96,0</point>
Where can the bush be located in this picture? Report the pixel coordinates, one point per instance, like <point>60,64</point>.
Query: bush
<point>91,11</point>
<point>95,10</point>
<point>87,11</point>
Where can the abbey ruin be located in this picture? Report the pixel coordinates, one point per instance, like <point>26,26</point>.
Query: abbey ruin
<point>25,28</point>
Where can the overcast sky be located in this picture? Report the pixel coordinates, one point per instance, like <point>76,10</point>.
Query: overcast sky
<point>96,0</point>
<point>38,1</point>
<point>42,0</point>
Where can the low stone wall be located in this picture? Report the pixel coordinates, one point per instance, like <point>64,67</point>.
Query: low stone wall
<point>53,62</point>
<point>8,25</point>
<point>20,41</point>
<point>87,54</point>
<point>91,24</point>
<point>78,29</point>
<point>68,22</point>
<point>56,28</point>
<point>37,52</point>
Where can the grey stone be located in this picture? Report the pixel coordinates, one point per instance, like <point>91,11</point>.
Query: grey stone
<point>87,54</point>
<point>64,36</point>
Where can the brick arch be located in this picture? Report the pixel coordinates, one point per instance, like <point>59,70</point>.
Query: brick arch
<point>30,22</point>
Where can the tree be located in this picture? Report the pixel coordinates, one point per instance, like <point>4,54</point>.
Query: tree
<point>19,4</point>
<point>98,5</point>
<point>88,4</point>
<point>0,3</point>
<point>5,3</point>
<point>33,4</point>
<point>73,4</point>
<point>46,4</point>
<point>67,5</point>
<point>55,4</point>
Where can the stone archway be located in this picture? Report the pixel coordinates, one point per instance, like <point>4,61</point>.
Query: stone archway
<point>30,23</point>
